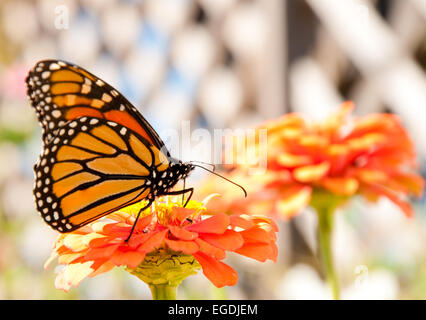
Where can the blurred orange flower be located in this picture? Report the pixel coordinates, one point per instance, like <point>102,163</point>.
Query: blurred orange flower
<point>371,156</point>
<point>165,227</point>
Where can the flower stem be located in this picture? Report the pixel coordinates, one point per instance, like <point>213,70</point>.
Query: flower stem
<point>163,292</point>
<point>325,228</point>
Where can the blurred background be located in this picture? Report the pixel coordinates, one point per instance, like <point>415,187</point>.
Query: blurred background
<point>224,64</point>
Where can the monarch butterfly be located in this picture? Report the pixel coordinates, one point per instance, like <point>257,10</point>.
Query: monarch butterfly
<point>99,153</point>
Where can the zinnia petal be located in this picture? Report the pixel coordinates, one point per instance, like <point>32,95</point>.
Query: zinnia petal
<point>100,252</point>
<point>341,186</point>
<point>153,242</point>
<point>229,240</point>
<point>187,247</point>
<point>258,251</point>
<point>255,234</point>
<point>293,200</point>
<point>311,173</point>
<point>241,221</point>
<point>131,259</point>
<point>214,224</point>
<point>182,234</point>
<point>211,250</point>
<point>217,272</point>
<point>72,275</point>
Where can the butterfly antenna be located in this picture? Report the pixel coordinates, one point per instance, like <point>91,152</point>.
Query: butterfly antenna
<point>217,174</point>
<point>209,164</point>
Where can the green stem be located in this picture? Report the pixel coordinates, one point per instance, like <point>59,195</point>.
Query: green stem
<point>325,228</point>
<point>163,292</point>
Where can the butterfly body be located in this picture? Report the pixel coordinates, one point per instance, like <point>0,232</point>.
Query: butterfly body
<point>99,153</point>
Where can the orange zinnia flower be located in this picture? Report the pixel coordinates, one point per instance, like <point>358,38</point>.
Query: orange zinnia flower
<point>187,235</point>
<point>371,156</point>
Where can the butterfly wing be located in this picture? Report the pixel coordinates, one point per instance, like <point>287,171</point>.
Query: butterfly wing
<point>92,167</point>
<point>60,92</point>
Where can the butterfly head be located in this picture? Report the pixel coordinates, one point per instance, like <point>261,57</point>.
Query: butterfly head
<point>181,169</point>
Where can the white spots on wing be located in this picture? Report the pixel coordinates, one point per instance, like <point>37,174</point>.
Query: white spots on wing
<point>94,121</point>
<point>106,97</point>
<point>99,82</point>
<point>45,74</point>
<point>54,66</point>
<point>123,131</point>
<point>85,89</point>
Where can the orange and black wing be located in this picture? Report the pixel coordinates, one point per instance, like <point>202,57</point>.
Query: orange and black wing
<point>60,92</point>
<point>91,167</point>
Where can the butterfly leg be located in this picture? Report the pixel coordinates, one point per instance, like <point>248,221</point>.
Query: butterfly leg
<point>182,192</point>
<point>137,218</point>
